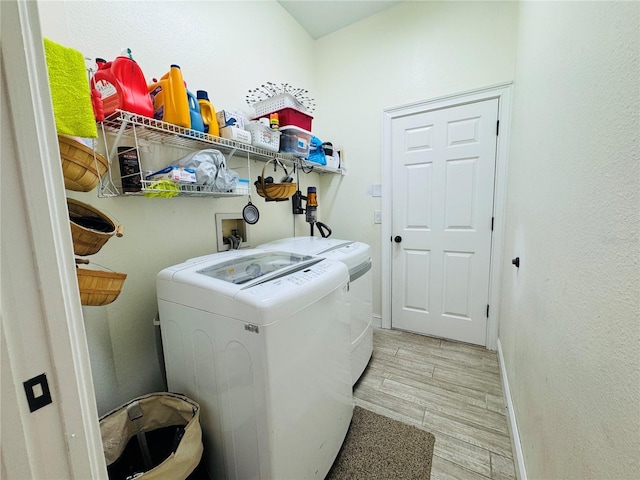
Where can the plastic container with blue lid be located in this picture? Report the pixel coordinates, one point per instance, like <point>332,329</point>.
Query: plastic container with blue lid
<point>295,140</point>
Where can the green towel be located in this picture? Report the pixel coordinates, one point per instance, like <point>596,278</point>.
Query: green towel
<point>70,92</point>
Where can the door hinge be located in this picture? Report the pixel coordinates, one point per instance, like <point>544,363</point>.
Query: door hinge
<point>492,219</point>
<point>498,128</point>
<point>487,310</point>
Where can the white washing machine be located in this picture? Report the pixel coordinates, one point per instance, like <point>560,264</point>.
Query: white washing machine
<point>357,257</point>
<point>260,340</point>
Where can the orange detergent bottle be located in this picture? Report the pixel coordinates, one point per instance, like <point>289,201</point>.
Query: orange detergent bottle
<point>169,97</point>
<point>208,114</point>
<point>122,86</point>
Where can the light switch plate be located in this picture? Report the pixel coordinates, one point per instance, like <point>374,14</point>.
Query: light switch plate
<point>37,391</point>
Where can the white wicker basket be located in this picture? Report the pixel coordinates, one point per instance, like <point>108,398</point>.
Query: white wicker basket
<point>278,102</point>
<point>263,137</point>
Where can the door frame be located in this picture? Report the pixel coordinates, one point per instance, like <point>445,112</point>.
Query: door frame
<point>503,93</point>
<point>69,424</point>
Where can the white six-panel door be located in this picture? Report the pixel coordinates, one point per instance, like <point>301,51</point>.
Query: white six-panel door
<point>443,180</point>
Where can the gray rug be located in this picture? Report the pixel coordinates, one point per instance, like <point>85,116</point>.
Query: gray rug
<point>378,447</point>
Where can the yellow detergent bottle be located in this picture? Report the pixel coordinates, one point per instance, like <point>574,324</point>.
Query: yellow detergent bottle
<point>208,114</point>
<point>169,96</point>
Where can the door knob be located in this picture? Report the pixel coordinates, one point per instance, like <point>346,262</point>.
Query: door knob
<point>516,262</point>
<point>397,239</point>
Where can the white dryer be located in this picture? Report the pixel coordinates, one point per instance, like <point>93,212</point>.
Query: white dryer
<point>260,340</point>
<point>357,257</point>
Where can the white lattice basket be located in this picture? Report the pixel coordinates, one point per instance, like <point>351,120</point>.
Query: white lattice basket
<point>278,102</point>
<point>263,137</point>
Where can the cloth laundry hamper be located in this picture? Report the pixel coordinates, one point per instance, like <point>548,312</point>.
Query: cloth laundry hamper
<point>152,437</point>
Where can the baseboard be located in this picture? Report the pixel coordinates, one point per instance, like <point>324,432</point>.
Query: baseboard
<point>516,446</point>
<point>376,320</point>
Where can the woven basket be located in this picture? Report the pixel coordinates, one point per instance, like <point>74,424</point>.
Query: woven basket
<point>87,241</point>
<point>98,287</point>
<point>81,170</point>
<point>275,192</point>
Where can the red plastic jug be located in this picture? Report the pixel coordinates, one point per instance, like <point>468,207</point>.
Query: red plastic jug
<point>123,86</point>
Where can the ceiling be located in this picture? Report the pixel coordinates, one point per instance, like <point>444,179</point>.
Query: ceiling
<point>321,17</point>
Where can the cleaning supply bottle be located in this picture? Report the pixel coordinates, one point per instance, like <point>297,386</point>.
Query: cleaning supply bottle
<point>194,112</point>
<point>122,86</point>
<point>274,121</point>
<point>169,96</point>
<point>208,114</point>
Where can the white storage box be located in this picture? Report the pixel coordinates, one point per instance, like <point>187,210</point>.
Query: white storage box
<point>236,133</point>
<point>242,186</point>
<point>264,137</point>
<point>175,174</point>
<point>333,161</point>
<point>295,140</point>
<point>278,102</point>
<point>227,118</point>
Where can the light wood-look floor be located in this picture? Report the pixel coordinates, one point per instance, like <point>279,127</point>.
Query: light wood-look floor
<point>451,389</point>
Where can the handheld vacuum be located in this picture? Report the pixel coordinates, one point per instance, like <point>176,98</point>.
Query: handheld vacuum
<point>311,210</point>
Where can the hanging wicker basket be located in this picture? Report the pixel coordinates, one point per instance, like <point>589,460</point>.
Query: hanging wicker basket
<point>98,287</point>
<point>275,192</point>
<point>82,166</point>
<point>90,228</point>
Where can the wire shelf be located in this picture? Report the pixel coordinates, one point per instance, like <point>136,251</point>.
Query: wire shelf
<point>181,189</point>
<point>169,134</point>
<point>126,124</point>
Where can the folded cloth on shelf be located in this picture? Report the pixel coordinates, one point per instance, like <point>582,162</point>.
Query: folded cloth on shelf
<point>70,92</point>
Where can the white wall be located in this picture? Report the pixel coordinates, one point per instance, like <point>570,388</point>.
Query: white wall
<point>569,324</point>
<point>411,52</point>
<point>429,49</point>
<point>570,328</point>
<point>225,48</point>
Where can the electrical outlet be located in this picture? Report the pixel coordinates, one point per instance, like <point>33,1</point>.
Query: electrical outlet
<point>377,216</point>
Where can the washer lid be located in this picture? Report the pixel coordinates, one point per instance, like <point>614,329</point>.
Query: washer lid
<point>356,255</point>
<point>227,272</point>
<point>305,245</point>
<point>243,270</point>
